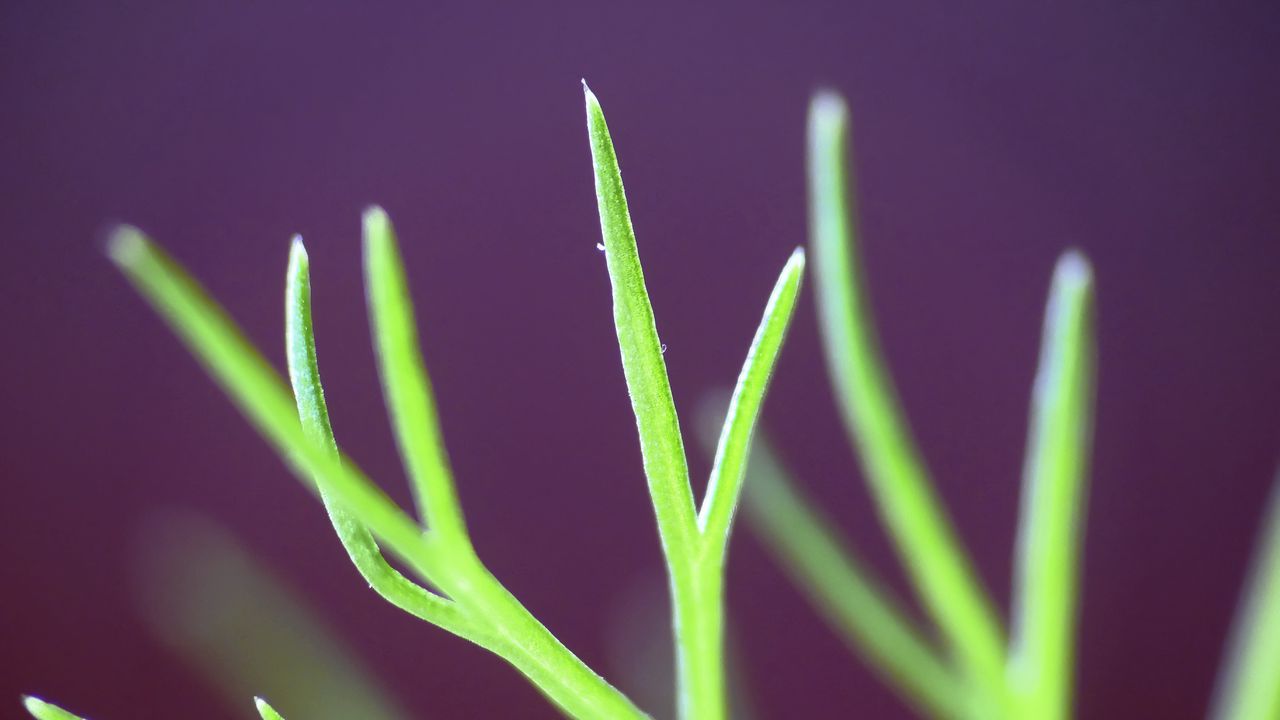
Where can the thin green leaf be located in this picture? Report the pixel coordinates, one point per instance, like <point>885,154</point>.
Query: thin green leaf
<point>42,710</point>
<point>304,375</point>
<point>697,593</point>
<point>266,711</point>
<point>661,444</point>
<point>260,394</point>
<point>1051,525</point>
<point>1249,683</point>
<point>904,494</point>
<point>405,383</point>
<point>725,486</point>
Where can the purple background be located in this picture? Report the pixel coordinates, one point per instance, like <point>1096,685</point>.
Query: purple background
<point>988,140</point>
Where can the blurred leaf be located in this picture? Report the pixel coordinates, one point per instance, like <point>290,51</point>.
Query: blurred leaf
<point>1051,524</point>
<point>234,619</point>
<point>1249,684</point>
<point>930,549</point>
<point>42,710</point>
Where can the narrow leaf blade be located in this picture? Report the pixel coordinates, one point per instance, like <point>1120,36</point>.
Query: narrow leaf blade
<point>406,386</point>
<point>1249,683</point>
<point>1051,525</point>
<point>42,710</point>
<point>266,711</point>
<point>661,443</point>
<point>725,486</point>
<point>304,376</point>
<point>935,559</point>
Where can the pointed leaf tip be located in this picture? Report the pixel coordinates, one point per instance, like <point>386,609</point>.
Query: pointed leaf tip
<point>298,258</point>
<point>265,710</point>
<point>829,106</point>
<point>375,219</point>
<point>1074,268</point>
<point>42,710</point>
<point>595,113</point>
<point>126,245</point>
<point>797,259</point>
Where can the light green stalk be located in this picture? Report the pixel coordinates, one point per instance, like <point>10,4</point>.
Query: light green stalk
<point>1051,523</point>
<point>260,394</point>
<point>1249,683</point>
<point>405,383</point>
<point>694,544</point>
<point>930,549</point>
<point>266,711</point>
<point>42,710</point>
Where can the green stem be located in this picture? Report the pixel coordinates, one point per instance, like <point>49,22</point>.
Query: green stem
<point>529,646</point>
<point>699,613</point>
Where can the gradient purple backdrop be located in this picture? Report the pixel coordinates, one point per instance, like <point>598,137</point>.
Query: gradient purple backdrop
<point>987,141</point>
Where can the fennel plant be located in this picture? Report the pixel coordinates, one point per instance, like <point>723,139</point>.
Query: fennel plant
<point>968,665</point>
<point>453,588</point>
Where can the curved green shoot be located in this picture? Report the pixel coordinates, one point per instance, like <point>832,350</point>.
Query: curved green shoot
<point>725,485</point>
<point>1249,684</point>
<point>693,544</point>
<point>266,711</point>
<point>259,393</point>
<point>304,375</point>
<point>41,710</point>
<point>1051,522</point>
<point>932,552</point>
<point>406,386</point>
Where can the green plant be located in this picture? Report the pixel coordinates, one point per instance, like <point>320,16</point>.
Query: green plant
<point>973,668</point>
<point>974,672</point>
<point>266,711</point>
<point>460,594</point>
<point>42,710</point>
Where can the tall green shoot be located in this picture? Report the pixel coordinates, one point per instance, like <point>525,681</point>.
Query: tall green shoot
<point>899,481</point>
<point>1249,682</point>
<point>694,541</point>
<point>1051,523</point>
